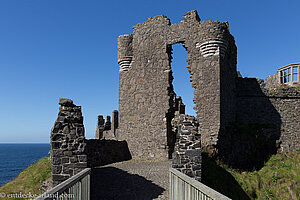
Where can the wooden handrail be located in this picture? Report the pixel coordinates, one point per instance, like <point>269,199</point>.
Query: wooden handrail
<point>196,186</point>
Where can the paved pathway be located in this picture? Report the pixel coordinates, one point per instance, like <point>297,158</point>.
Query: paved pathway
<point>131,180</point>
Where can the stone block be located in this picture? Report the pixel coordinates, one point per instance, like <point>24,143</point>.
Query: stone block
<point>184,161</point>
<point>193,152</point>
<point>196,159</point>
<point>188,165</point>
<point>82,158</point>
<point>57,136</point>
<point>196,167</point>
<point>55,145</point>
<point>56,153</point>
<point>73,159</point>
<point>56,169</point>
<point>66,130</point>
<point>65,160</point>
<point>68,171</point>
<point>55,161</point>
<point>65,102</point>
<point>177,166</point>
<point>75,165</point>
<point>60,119</point>
<point>60,178</point>
<point>80,131</point>
<point>68,153</point>
<point>198,173</point>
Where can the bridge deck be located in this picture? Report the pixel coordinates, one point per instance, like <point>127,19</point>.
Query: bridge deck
<point>141,180</point>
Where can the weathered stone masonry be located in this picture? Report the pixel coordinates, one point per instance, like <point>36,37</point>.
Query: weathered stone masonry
<point>278,106</point>
<point>224,100</point>
<point>267,122</point>
<point>240,120</point>
<point>107,129</point>
<point>71,152</point>
<point>67,142</point>
<point>145,80</point>
<point>187,153</point>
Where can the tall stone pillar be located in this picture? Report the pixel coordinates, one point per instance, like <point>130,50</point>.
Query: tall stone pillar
<point>67,142</point>
<point>115,122</point>
<point>100,127</point>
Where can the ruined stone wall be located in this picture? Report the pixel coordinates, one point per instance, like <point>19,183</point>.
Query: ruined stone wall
<point>67,142</point>
<point>290,127</point>
<point>228,76</point>
<point>272,81</point>
<point>187,155</point>
<point>103,152</point>
<point>107,129</point>
<point>267,122</point>
<point>71,152</point>
<point>277,107</point>
<point>145,80</point>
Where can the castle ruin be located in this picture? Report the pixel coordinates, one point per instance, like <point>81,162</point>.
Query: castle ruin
<point>231,110</point>
<point>147,101</point>
<point>239,120</point>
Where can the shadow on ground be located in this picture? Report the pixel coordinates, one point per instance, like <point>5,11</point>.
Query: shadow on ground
<point>110,183</point>
<point>220,180</point>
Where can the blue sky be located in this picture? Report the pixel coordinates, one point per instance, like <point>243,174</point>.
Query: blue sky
<point>68,48</point>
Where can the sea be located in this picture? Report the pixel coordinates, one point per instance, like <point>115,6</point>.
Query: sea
<point>16,157</point>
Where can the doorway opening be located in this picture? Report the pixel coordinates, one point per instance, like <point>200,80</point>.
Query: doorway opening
<point>181,82</point>
<point>180,91</point>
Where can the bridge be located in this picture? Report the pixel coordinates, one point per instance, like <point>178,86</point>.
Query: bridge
<point>140,180</point>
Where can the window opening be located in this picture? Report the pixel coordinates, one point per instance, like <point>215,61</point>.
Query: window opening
<point>289,74</point>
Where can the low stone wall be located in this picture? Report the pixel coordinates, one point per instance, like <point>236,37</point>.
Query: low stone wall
<point>103,152</point>
<point>267,122</point>
<point>276,108</point>
<point>287,102</point>
<point>187,155</point>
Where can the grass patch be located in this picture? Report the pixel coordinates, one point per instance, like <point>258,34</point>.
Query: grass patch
<point>29,180</point>
<point>278,179</point>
